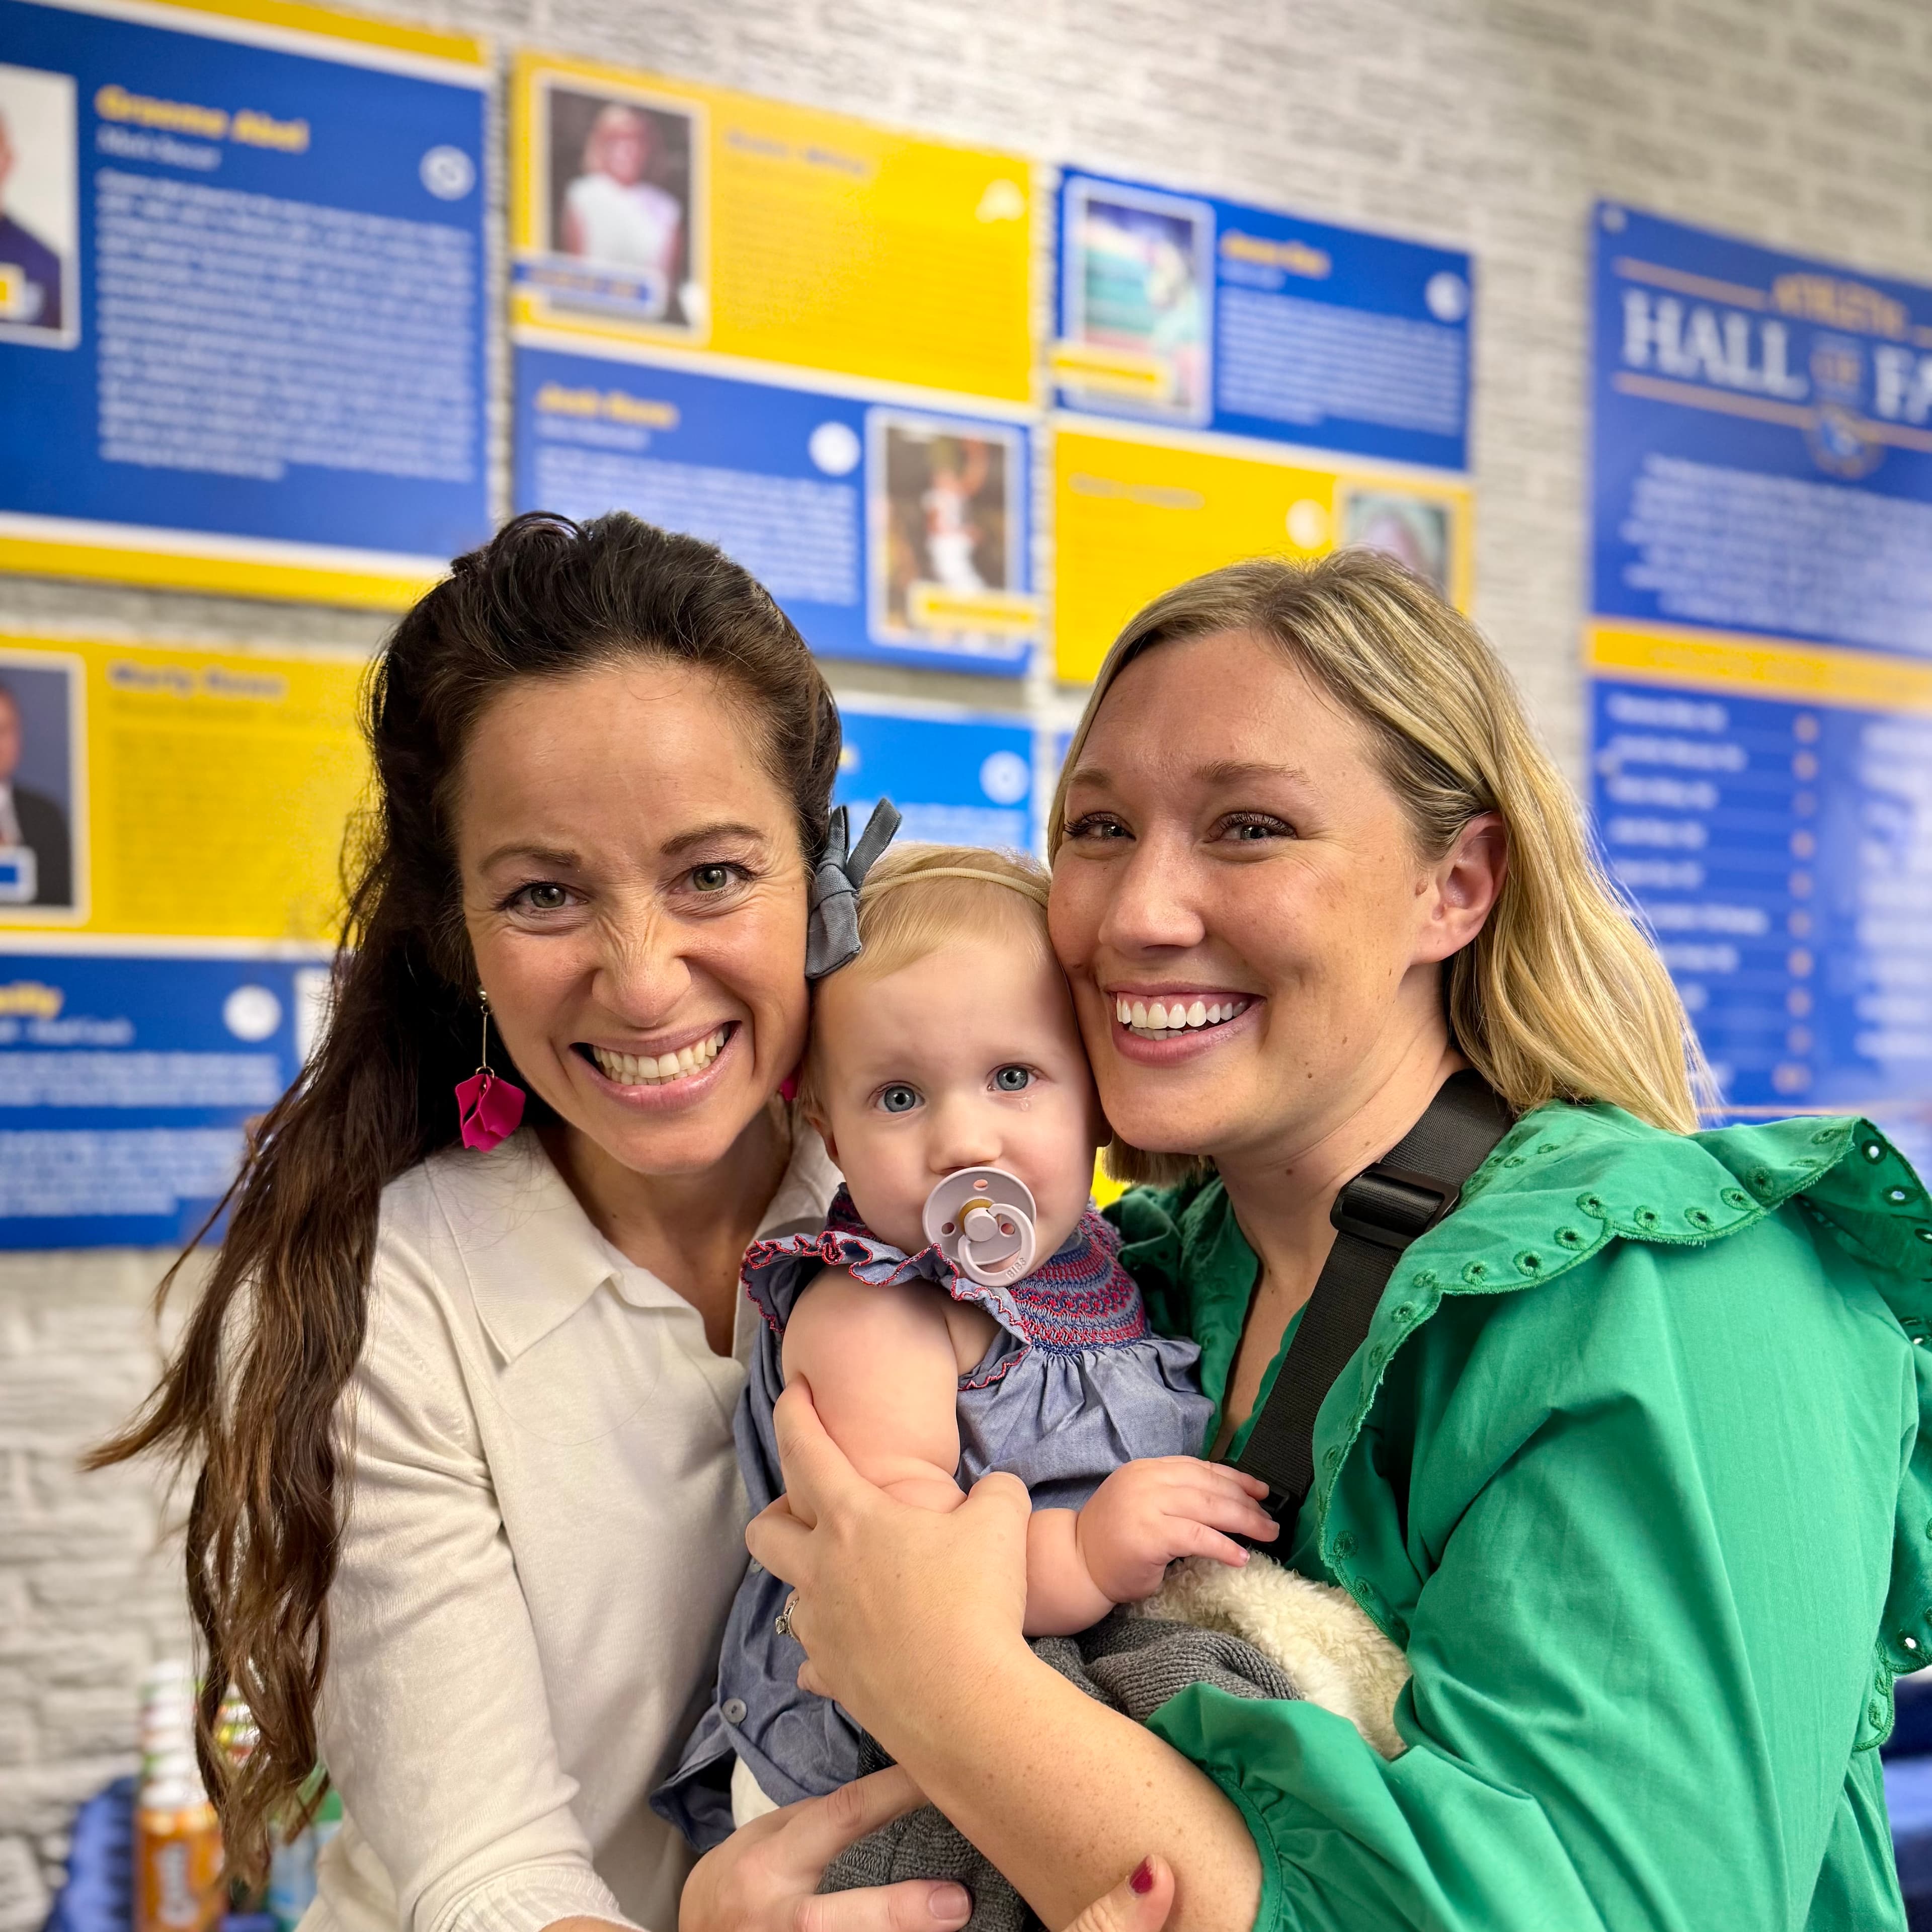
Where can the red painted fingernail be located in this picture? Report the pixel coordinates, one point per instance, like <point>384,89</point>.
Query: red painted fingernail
<point>1142,1881</point>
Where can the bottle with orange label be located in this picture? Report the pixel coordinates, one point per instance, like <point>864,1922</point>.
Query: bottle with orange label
<point>178,1867</point>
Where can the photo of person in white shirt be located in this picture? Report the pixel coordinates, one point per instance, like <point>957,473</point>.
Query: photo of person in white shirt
<point>618,214</point>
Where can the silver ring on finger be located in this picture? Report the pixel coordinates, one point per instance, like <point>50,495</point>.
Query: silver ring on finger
<point>782,1623</point>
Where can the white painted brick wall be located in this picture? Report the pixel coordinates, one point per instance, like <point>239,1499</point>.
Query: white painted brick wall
<point>1486,124</point>
<point>90,1577</point>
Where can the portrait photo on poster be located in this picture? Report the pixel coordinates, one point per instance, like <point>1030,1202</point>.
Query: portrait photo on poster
<point>1139,287</point>
<point>623,203</point>
<point>42,832</point>
<point>1415,529</point>
<point>947,533</point>
<point>39,216</point>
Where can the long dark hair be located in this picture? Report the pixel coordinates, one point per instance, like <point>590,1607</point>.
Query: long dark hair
<point>253,1396</point>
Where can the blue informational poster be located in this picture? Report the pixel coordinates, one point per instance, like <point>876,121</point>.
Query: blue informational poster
<point>1763,440</point>
<point>126,1086</point>
<point>1203,314</point>
<point>1761,657</point>
<point>958,778</point>
<point>242,321</point>
<point>886,530</point>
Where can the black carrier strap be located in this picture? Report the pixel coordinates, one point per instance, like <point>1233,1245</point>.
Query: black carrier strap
<point>1376,1216</point>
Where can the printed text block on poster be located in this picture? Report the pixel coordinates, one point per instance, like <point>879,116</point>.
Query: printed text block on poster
<point>1761,712</point>
<point>649,209</point>
<point>241,298</point>
<point>889,530</point>
<point>1133,516</point>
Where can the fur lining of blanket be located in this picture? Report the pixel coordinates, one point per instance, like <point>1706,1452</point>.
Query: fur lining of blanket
<point>1318,1635</point>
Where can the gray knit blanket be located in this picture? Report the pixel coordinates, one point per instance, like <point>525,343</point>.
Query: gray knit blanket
<point>1132,1664</point>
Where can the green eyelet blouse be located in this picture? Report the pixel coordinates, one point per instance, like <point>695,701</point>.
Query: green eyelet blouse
<point>1630,1465</point>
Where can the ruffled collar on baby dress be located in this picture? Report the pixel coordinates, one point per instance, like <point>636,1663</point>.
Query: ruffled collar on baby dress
<point>1078,1300</point>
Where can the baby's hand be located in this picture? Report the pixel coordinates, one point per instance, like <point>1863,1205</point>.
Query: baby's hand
<point>1148,1514</point>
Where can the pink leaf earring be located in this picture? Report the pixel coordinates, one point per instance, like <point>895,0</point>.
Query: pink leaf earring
<point>488,1108</point>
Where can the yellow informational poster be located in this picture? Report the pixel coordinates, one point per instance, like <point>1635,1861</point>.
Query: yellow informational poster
<point>1134,515</point>
<point>648,209</point>
<point>181,794</point>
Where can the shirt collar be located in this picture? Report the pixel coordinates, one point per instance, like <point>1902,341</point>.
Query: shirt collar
<point>532,1256</point>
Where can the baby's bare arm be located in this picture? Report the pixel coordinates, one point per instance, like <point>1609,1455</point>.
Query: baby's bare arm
<point>884,1374</point>
<point>883,1364</point>
<point>1116,1548</point>
<point>1062,1596</point>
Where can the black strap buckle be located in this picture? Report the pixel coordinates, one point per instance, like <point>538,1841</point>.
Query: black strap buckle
<point>1392,1206</point>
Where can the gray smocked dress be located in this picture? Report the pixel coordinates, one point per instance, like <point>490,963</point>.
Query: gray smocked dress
<point>1074,1385</point>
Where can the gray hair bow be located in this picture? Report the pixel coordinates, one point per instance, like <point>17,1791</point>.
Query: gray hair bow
<point>831,940</point>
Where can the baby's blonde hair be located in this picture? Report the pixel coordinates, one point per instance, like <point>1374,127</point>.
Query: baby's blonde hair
<point>916,897</point>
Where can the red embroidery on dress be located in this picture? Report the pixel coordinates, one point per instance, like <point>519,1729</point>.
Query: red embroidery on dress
<point>1079,1299</point>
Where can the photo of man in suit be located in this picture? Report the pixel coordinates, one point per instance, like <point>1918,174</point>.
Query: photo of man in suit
<point>31,819</point>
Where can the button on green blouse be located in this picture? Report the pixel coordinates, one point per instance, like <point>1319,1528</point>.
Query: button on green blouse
<point>1629,1465</point>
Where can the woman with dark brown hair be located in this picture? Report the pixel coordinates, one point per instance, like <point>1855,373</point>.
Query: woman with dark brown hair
<point>467,1518</point>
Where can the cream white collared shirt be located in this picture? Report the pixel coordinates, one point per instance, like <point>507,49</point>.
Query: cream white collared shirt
<point>543,1535</point>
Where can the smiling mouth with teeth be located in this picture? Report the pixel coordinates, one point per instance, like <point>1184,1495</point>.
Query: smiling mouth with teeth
<point>658,1069</point>
<point>1156,1019</point>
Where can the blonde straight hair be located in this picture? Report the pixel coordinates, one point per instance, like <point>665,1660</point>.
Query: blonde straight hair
<point>1561,995</point>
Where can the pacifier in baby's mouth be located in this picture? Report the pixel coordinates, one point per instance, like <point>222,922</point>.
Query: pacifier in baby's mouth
<point>981,1220</point>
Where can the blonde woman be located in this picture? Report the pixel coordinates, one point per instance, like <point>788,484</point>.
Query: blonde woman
<point>1628,1461</point>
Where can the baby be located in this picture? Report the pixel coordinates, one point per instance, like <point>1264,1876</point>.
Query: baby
<point>939,1342</point>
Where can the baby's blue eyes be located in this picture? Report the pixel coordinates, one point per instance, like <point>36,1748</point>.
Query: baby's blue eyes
<point>899,1098</point>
